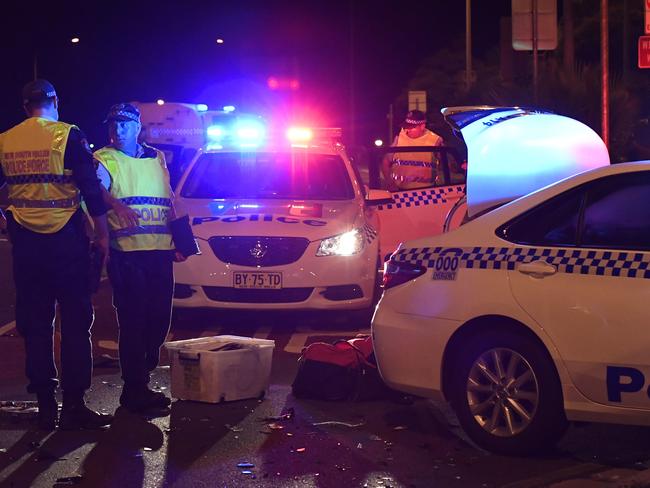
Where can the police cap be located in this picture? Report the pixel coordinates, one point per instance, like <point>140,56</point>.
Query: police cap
<point>38,90</point>
<point>414,118</point>
<point>123,111</point>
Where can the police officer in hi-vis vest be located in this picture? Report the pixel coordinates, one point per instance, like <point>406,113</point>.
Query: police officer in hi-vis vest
<point>141,255</point>
<point>48,168</point>
<point>404,170</point>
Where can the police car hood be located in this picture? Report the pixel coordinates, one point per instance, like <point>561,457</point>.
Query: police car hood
<point>512,151</point>
<point>286,218</point>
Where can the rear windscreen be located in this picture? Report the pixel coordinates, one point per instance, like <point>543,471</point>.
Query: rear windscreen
<point>295,175</point>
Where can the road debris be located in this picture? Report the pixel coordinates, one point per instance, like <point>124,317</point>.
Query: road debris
<point>338,423</point>
<point>288,415</point>
<point>22,409</point>
<point>70,480</point>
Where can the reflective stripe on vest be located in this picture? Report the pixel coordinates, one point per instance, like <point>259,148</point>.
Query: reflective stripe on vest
<point>142,229</point>
<point>143,185</point>
<point>61,203</point>
<point>42,193</point>
<point>411,170</point>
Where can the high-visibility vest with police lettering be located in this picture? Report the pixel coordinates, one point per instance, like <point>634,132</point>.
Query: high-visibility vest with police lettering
<point>416,169</point>
<point>42,194</point>
<point>143,185</point>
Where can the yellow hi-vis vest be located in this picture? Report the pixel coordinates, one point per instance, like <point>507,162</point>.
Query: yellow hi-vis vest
<point>416,169</point>
<point>143,185</point>
<point>42,193</point>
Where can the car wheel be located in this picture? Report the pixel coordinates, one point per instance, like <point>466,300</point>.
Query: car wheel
<point>507,395</point>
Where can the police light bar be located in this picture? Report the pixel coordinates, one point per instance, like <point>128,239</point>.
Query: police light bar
<point>304,135</point>
<point>299,134</point>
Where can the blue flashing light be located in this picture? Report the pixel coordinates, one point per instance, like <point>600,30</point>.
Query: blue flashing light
<point>229,108</point>
<point>249,205</point>
<point>249,133</point>
<point>215,132</point>
<point>214,147</point>
<point>201,107</point>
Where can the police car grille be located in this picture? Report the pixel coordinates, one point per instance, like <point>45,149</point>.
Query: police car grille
<point>258,251</point>
<point>237,295</point>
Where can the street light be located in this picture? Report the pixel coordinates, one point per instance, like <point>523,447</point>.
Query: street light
<point>74,40</point>
<point>219,41</point>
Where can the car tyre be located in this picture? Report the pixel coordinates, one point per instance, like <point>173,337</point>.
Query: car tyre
<point>507,395</point>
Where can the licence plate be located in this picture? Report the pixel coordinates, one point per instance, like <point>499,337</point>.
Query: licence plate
<point>247,279</point>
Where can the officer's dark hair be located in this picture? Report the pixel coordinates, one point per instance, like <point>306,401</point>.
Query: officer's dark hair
<point>32,105</point>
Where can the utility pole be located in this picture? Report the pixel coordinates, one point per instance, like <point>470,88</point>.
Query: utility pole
<point>604,70</point>
<point>535,60</point>
<point>468,44</point>
<point>353,134</point>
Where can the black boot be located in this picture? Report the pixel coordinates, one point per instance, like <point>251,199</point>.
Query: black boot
<point>48,411</point>
<point>75,415</point>
<point>138,398</point>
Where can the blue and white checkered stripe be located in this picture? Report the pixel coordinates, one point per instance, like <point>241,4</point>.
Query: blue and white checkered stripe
<point>417,198</point>
<point>370,234</point>
<point>622,264</point>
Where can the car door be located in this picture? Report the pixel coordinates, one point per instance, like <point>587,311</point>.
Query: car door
<point>588,283</point>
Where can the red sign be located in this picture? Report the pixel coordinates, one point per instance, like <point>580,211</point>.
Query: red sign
<point>644,51</point>
<point>647,16</point>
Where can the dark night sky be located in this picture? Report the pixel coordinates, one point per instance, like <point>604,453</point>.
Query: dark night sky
<point>148,50</point>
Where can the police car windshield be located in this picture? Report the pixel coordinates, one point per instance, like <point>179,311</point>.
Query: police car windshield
<point>296,175</point>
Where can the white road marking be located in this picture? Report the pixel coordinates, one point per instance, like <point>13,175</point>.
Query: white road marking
<point>7,327</point>
<point>297,341</point>
<point>110,345</point>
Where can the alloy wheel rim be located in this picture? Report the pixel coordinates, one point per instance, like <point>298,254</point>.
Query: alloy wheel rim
<point>502,392</point>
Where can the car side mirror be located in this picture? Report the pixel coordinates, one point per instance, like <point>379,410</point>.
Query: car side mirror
<point>378,197</point>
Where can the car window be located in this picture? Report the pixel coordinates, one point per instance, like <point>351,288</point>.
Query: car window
<point>617,212</point>
<point>553,223</point>
<point>296,175</point>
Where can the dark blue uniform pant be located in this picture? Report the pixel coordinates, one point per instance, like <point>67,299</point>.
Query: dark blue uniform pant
<point>50,269</point>
<point>143,285</point>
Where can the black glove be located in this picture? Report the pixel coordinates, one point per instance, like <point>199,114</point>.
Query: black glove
<point>183,237</point>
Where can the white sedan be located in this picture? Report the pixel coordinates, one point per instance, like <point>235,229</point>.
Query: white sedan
<point>531,315</point>
<point>281,225</point>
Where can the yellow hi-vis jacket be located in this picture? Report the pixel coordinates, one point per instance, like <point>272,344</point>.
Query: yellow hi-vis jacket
<point>42,193</point>
<point>416,169</point>
<point>143,185</point>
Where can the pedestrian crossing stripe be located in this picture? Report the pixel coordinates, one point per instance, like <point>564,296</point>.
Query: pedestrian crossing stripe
<point>623,264</point>
<point>418,198</point>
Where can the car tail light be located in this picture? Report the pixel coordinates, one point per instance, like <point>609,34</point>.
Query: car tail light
<point>396,273</point>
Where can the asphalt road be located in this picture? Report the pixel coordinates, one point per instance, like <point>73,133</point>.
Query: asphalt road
<point>374,444</point>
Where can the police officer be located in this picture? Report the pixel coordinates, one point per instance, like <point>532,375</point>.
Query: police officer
<point>137,187</point>
<point>49,168</point>
<point>406,171</point>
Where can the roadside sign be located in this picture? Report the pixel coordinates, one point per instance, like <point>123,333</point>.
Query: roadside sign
<point>418,100</point>
<point>522,24</point>
<point>644,51</point>
<point>647,16</point>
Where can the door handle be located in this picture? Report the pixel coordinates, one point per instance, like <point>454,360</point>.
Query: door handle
<point>537,269</point>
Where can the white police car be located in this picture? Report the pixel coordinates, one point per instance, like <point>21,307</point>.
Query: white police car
<point>532,314</point>
<point>282,223</point>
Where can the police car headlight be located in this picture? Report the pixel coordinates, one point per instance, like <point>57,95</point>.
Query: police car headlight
<point>345,244</point>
